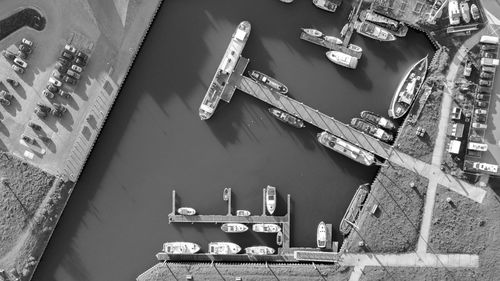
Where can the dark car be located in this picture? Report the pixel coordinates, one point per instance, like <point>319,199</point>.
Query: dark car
<point>82,55</point>
<point>8,54</point>
<point>485,83</point>
<point>486,75</point>
<point>480,118</point>
<point>22,55</point>
<point>48,94</point>
<point>12,82</point>
<point>67,55</point>
<point>64,94</point>
<point>482,104</point>
<point>483,97</point>
<point>52,88</point>
<point>42,110</point>
<point>56,74</point>
<point>69,80</point>
<point>25,48</point>
<point>486,47</point>
<point>80,62</point>
<point>58,110</point>
<point>61,67</point>
<point>475,138</point>
<point>64,62</point>
<point>488,55</point>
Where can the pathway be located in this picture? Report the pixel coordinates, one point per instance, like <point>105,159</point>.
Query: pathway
<point>410,260</point>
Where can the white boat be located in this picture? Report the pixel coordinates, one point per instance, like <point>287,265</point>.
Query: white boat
<point>186,211</point>
<point>355,48</point>
<point>321,235</point>
<point>342,59</point>
<point>271,199</point>
<point>234,227</point>
<point>287,1</point>
<point>225,195</point>
<point>279,238</point>
<point>259,250</point>
<point>333,39</point>
<point>374,31</point>
<point>464,9</point>
<point>266,228</point>
<point>223,248</point>
<point>313,32</point>
<point>474,11</point>
<point>179,248</point>
<point>327,5</point>
<point>243,213</point>
<point>346,148</point>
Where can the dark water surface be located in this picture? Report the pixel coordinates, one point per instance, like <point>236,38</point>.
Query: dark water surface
<point>154,141</point>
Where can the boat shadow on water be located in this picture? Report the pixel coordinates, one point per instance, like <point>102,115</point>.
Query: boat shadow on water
<point>358,77</point>
<point>389,52</point>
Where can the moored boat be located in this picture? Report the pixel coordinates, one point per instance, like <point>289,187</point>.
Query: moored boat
<point>346,148</point>
<point>354,207</point>
<point>407,90</point>
<point>270,199</point>
<point>287,1</point>
<point>378,120</point>
<point>223,248</point>
<point>186,211</point>
<point>374,31</point>
<point>321,235</point>
<point>333,39</point>
<point>313,32</point>
<point>279,238</point>
<point>395,27</point>
<point>287,118</point>
<point>268,81</point>
<point>327,5</point>
<point>179,248</point>
<point>266,228</point>
<point>259,250</point>
<point>355,48</point>
<point>342,59</point>
<point>243,213</point>
<point>225,195</point>
<point>464,9</point>
<point>371,129</point>
<point>234,227</point>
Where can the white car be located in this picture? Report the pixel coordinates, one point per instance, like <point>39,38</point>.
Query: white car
<point>27,42</point>
<point>480,111</point>
<point>76,68</point>
<point>55,82</point>
<point>20,62</point>
<point>70,48</point>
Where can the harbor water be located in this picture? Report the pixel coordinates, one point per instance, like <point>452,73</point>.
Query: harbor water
<point>154,142</point>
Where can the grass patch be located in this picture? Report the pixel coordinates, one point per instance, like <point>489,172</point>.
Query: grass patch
<point>395,226</point>
<point>372,273</point>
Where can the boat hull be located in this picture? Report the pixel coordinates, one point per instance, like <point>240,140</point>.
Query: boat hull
<point>313,32</point>
<point>268,81</point>
<point>321,235</point>
<point>186,211</point>
<point>266,228</point>
<point>223,248</point>
<point>380,121</point>
<point>374,31</point>
<point>270,199</point>
<point>346,148</point>
<point>287,118</point>
<point>180,248</point>
<point>243,213</point>
<point>234,228</point>
<point>259,250</point>
<point>342,59</point>
<point>371,129</point>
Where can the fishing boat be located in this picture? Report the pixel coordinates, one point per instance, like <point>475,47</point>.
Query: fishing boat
<point>268,81</point>
<point>464,9</point>
<point>333,39</point>
<point>259,250</point>
<point>327,5</point>
<point>223,248</point>
<point>234,227</point>
<point>371,129</point>
<point>226,67</point>
<point>270,199</point>
<point>225,195</point>
<point>407,90</point>
<point>243,213</point>
<point>395,27</point>
<point>266,228</point>
<point>279,238</point>
<point>321,235</point>
<point>354,207</point>
<point>287,118</point>
<point>342,59</point>
<point>346,148</point>
<point>186,211</point>
<point>374,31</point>
<point>179,248</point>
<point>313,32</point>
<point>378,120</point>
<point>355,48</point>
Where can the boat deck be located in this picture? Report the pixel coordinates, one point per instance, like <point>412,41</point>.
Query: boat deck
<point>329,45</point>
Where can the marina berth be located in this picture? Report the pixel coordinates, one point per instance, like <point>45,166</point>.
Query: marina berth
<point>266,228</point>
<point>234,227</point>
<point>223,248</point>
<point>342,59</point>
<point>378,120</point>
<point>268,81</point>
<point>346,148</point>
<point>259,250</point>
<point>407,90</point>
<point>179,248</point>
<point>374,31</point>
<point>287,118</point>
<point>371,129</point>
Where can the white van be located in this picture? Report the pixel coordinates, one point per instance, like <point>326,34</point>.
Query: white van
<point>477,146</point>
<point>485,167</point>
<point>478,125</point>
<point>485,39</point>
<point>490,62</point>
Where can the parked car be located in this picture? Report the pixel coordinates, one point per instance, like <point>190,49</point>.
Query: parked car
<point>12,82</point>
<point>486,75</point>
<point>64,94</point>
<point>34,126</point>
<point>486,54</point>
<point>76,68</point>
<point>484,90</point>
<point>5,98</point>
<point>70,80</point>
<point>486,47</point>
<point>64,62</point>
<point>25,49</point>
<point>480,111</point>
<point>52,88</point>
<point>481,104</point>
<point>56,74</point>
<point>475,138</point>
<point>73,74</point>
<point>8,54</point>
<point>22,55</point>
<point>5,102</point>
<point>479,125</point>
<point>70,48</point>
<point>60,67</point>
<point>48,94</point>
<point>27,42</point>
<point>42,110</point>
<point>67,55</point>
<point>82,55</point>
<point>490,69</point>
<point>55,82</point>
<point>480,118</point>
<point>81,62</point>
<point>483,97</point>
<point>58,110</point>
<point>18,69</point>
<point>20,62</point>
<point>485,83</point>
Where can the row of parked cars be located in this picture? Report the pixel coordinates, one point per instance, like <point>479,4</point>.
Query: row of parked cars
<point>19,64</point>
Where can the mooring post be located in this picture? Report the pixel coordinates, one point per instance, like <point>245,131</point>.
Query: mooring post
<point>229,198</point>
<point>173,202</point>
<point>263,201</point>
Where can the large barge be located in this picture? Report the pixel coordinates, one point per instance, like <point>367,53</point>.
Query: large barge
<point>226,67</point>
<point>354,207</point>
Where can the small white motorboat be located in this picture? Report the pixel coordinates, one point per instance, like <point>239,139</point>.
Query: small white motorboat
<point>333,39</point>
<point>243,213</point>
<point>313,32</point>
<point>234,228</point>
<point>223,248</point>
<point>179,248</point>
<point>271,199</point>
<point>321,235</point>
<point>266,228</point>
<point>186,211</point>
<point>259,250</point>
<point>355,48</point>
<point>279,238</point>
<point>342,59</point>
<point>225,195</point>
